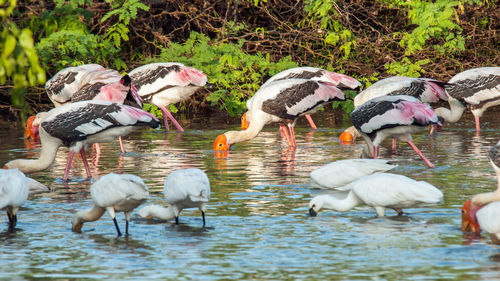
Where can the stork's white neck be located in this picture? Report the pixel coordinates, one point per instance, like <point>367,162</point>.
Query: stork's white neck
<point>87,215</point>
<point>48,153</point>
<point>256,125</point>
<point>453,114</point>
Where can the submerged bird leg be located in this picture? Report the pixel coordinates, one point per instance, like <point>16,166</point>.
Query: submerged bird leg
<point>166,113</point>
<point>399,211</point>
<point>121,144</point>
<point>117,228</point>
<point>420,154</point>
<point>85,163</point>
<point>375,152</point>
<point>311,122</point>
<point>68,164</point>
<point>292,135</point>
<point>394,144</point>
<point>478,127</point>
<point>97,148</point>
<point>284,130</point>
<point>176,220</point>
<point>126,227</point>
<point>203,216</point>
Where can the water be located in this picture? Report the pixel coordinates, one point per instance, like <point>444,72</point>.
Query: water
<point>257,222</point>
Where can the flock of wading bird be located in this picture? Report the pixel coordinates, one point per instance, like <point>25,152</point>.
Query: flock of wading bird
<point>94,104</point>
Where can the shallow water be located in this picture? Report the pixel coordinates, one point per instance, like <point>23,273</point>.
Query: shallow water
<point>257,222</point>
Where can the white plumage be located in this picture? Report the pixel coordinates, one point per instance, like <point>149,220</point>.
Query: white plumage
<point>479,88</point>
<point>14,191</point>
<point>380,191</point>
<point>424,89</point>
<point>282,101</point>
<point>338,174</point>
<point>78,124</point>
<point>489,220</point>
<point>113,193</point>
<point>184,188</point>
<point>395,117</point>
<point>163,84</point>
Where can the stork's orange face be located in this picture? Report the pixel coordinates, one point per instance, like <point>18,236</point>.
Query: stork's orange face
<point>244,121</point>
<point>469,220</point>
<point>31,131</point>
<point>346,138</point>
<point>220,143</point>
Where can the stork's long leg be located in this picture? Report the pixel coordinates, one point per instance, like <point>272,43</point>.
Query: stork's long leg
<point>478,126</point>
<point>85,163</point>
<point>311,122</point>
<point>68,165</point>
<point>166,113</point>
<point>420,154</point>
<point>121,144</point>
<point>284,130</point>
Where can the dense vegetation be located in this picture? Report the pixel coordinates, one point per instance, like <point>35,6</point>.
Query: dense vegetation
<point>240,43</point>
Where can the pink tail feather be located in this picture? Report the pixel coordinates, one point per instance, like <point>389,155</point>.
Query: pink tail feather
<point>422,112</point>
<point>343,80</point>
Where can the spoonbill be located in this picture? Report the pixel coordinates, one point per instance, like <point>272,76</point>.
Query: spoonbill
<point>14,191</point>
<point>113,193</point>
<point>183,188</point>
<point>338,174</point>
<point>380,191</point>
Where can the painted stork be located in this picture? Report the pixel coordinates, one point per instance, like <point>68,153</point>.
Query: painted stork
<point>380,191</point>
<point>163,84</point>
<point>395,117</point>
<point>183,188</point>
<point>473,218</point>
<point>91,82</point>
<point>337,175</point>
<point>340,80</point>
<point>424,89</point>
<point>14,191</point>
<point>113,193</point>
<point>282,101</point>
<point>78,124</point>
<point>479,88</point>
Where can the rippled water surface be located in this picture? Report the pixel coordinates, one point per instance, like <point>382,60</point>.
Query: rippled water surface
<point>257,222</point>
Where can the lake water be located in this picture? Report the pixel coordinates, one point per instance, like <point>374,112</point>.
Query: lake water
<point>257,222</point>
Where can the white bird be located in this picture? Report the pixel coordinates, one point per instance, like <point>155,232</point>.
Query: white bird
<point>14,191</point>
<point>183,188</point>
<point>306,72</point>
<point>338,174</point>
<point>380,191</point>
<point>282,101</point>
<point>487,217</point>
<point>113,193</point>
<point>424,89</point>
<point>471,207</point>
<point>478,88</point>
<point>78,124</point>
<point>91,82</point>
<point>395,117</point>
<point>65,83</point>
<point>163,84</point>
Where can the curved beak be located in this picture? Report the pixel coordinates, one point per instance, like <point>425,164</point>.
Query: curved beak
<point>312,213</point>
<point>244,121</point>
<point>469,220</point>
<point>220,143</point>
<point>346,138</point>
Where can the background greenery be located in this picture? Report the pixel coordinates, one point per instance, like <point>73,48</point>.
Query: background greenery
<point>240,43</point>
